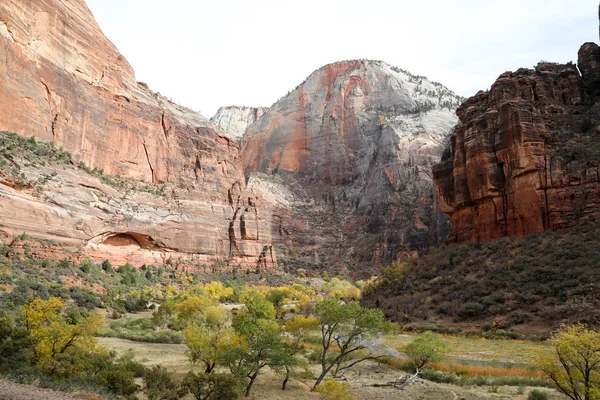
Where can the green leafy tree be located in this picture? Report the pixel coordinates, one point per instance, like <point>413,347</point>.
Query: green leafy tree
<point>297,329</point>
<point>344,327</point>
<point>165,313</point>
<point>426,349</point>
<point>259,344</point>
<point>574,366</point>
<point>13,339</point>
<point>258,341</point>
<point>278,297</point>
<point>210,387</point>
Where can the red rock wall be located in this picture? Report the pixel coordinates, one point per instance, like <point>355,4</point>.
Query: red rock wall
<point>525,156</point>
<point>62,80</point>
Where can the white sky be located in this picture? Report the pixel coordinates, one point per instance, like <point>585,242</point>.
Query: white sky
<point>209,53</point>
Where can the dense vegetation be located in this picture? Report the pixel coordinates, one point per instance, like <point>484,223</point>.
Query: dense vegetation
<point>545,278</point>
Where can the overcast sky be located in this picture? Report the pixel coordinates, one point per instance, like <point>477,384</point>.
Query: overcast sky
<point>205,54</point>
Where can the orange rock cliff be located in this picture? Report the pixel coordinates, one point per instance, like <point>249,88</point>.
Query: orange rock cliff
<point>62,80</point>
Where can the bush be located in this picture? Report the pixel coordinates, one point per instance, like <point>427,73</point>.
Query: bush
<point>159,385</point>
<point>210,386</point>
<point>470,310</point>
<point>334,390</point>
<point>537,395</point>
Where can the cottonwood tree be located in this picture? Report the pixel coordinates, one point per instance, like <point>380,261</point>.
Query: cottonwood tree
<point>426,349</point>
<point>344,329</point>
<point>58,346</point>
<point>297,329</point>
<point>208,336</point>
<point>258,341</point>
<point>574,365</point>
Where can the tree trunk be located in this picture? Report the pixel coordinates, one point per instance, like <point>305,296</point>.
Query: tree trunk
<point>321,377</point>
<point>288,371</point>
<point>249,387</point>
<point>209,367</point>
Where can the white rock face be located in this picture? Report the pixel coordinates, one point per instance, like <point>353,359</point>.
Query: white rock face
<point>234,120</point>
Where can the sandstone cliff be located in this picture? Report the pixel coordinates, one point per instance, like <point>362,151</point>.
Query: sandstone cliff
<point>234,120</point>
<point>525,156</point>
<point>61,80</point>
<point>353,147</point>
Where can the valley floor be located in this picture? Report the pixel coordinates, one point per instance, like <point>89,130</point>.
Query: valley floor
<point>172,357</point>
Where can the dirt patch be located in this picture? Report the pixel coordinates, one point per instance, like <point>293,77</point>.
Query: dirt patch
<point>15,391</point>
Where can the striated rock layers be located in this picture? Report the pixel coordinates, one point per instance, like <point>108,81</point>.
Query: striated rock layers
<point>525,156</point>
<point>351,151</point>
<point>234,120</point>
<point>61,80</point>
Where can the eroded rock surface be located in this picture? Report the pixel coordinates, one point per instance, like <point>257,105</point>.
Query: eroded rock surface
<point>234,120</point>
<point>353,147</point>
<point>61,80</point>
<point>525,156</point>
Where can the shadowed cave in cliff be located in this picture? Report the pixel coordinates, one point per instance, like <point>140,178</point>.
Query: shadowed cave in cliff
<point>126,239</point>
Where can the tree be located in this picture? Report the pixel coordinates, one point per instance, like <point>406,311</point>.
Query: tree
<point>574,365</point>
<point>341,289</point>
<point>210,387</point>
<point>257,307</point>
<point>425,349</point>
<point>208,337</point>
<point>58,346</point>
<point>13,338</point>
<point>298,328</point>
<point>258,344</point>
<point>343,330</point>
<point>165,313</point>
<point>218,291</point>
<point>192,308</point>
<point>278,297</point>
<point>258,341</point>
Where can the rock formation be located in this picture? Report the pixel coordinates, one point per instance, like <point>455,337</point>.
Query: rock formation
<point>61,80</point>
<point>525,156</point>
<point>352,147</point>
<point>234,120</point>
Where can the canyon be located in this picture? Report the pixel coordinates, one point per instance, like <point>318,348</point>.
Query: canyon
<point>361,165</point>
<point>337,172</point>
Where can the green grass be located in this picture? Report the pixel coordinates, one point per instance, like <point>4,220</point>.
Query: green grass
<point>141,330</point>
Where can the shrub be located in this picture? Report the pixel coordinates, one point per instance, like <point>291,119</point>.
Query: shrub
<point>159,385</point>
<point>470,310</point>
<point>210,386</point>
<point>334,390</point>
<point>537,395</point>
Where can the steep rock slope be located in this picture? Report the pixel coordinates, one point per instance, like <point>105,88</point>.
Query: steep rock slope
<point>525,156</point>
<point>354,143</point>
<point>234,120</point>
<point>61,80</point>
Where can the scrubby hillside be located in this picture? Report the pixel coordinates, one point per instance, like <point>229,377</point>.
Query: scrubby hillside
<point>538,281</point>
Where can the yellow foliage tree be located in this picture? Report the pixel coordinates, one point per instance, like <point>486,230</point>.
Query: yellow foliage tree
<point>57,345</point>
<point>341,289</point>
<point>192,308</point>
<point>574,366</point>
<point>218,291</point>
